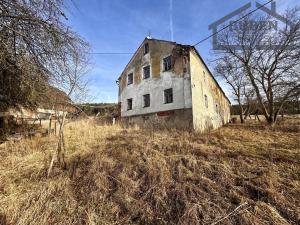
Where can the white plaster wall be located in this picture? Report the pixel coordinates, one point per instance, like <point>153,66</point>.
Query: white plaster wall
<point>155,87</point>
<point>205,118</point>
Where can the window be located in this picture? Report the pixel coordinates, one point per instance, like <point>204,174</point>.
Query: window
<point>167,63</point>
<point>168,95</point>
<point>146,72</point>
<point>1,122</point>
<point>204,75</point>
<point>129,78</point>
<point>217,108</point>
<point>146,100</point>
<point>185,60</point>
<point>129,104</point>
<point>146,48</point>
<point>206,101</point>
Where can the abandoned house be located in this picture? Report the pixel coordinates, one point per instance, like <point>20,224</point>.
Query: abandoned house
<point>169,84</point>
<point>54,102</point>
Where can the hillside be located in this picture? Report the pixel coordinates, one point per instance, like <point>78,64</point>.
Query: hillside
<point>100,109</point>
<point>239,174</point>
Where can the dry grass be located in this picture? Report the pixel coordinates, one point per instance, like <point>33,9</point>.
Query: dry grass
<point>236,175</point>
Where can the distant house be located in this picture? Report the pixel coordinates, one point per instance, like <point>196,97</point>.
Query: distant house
<point>169,84</point>
<point>54,102</point>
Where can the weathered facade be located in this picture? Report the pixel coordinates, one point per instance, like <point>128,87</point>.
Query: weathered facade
<point>168,84</point>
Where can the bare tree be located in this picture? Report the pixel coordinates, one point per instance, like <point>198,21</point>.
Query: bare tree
<point>74,85</point>
<point>38,50</point>
<point>270,59</point>
<point>229,69</point>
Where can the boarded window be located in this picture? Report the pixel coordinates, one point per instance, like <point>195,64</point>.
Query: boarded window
<point>146,100</point>
<point>129,104</point>
<point>167,63</point>
<point>168,95</point>
<point>206,101</point>
<point>146,72</point>
<point>129,78</point>
<point>146,48</point>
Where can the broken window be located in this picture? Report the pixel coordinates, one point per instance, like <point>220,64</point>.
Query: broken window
<point>129,104</point>
<point>146,48</point>
<point>167,63</point>
<point>129,78</point>
<point>206,101</point>
<point>146,100</point>
<point>168,95</point>
<point>146,72</point>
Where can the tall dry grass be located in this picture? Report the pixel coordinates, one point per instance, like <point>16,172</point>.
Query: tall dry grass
<point>241,174</point>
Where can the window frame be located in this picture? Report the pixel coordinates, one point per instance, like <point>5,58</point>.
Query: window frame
<point>131,104</point>
<point>167,98</point>
<point>144,101</point>
<point>164,63</point>
<point>146,48</point>
<point>128,79</point>
<point>145,78</point>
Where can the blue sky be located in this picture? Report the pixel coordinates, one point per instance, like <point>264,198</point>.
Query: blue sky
<point>121,26</point>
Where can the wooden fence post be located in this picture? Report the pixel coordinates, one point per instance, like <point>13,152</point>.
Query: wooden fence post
<point>49,128</point>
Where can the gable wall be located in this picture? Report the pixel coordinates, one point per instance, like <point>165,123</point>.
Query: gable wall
<point>177,78</point>
<point>211,117</point>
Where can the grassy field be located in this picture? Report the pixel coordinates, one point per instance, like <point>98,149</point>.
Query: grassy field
<point>239,174</point>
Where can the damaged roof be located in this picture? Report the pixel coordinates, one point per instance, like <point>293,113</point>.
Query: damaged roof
<point>190,47</point>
